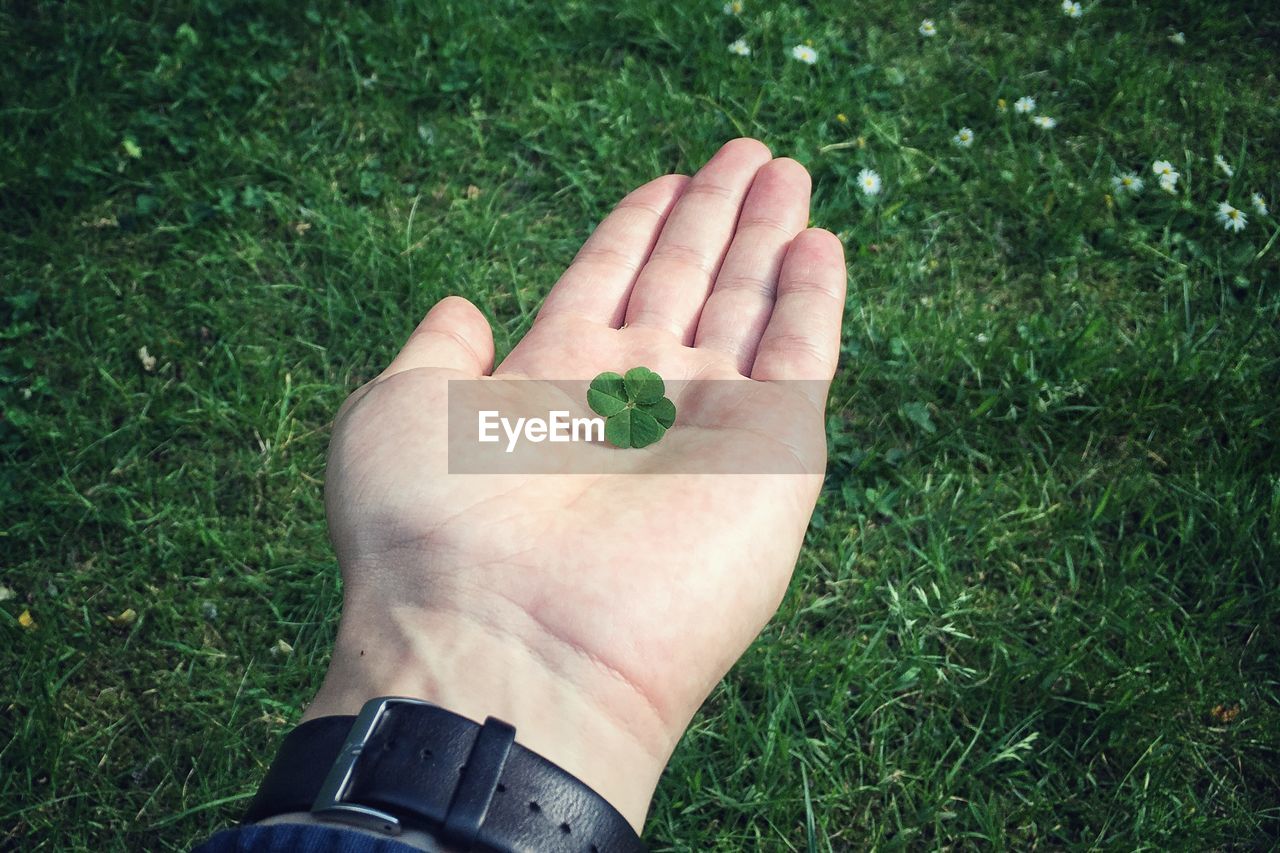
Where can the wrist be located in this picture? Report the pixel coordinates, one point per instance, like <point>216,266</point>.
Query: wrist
<point>559,705</point>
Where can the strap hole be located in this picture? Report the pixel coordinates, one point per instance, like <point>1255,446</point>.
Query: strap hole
<point>502,789</point>
<point>564,827</point>
<point>534,807</point>
<point>594,849</point>
<point>425,755</point>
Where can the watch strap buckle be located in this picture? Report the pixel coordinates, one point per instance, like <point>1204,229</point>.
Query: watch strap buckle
<point>329,803</point>
<point>469,803</point>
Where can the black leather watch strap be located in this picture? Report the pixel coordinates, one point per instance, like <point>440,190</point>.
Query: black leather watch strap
<point>406,763</point>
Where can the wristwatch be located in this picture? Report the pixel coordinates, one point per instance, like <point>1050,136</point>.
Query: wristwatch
<point>404,763</point>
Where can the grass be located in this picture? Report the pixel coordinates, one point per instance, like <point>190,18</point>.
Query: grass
<point>1038,606</point>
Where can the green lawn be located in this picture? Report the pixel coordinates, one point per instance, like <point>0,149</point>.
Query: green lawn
<point>1038,605</point>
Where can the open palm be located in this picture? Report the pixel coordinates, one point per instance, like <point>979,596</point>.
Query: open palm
<point>596,611</point>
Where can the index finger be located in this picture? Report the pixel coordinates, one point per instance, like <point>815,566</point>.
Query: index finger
<point>599,280</point>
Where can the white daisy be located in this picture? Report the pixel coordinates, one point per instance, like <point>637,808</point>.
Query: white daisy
<point>733,8</point>
<point>869,180</point>
<point>1169,182</point>
<point>1259,204</point>
<point>1178,38</point>
<point>804,53</point>
<point>1231,218</point>
<point>739,48</point>
<point>1071,9</point>
<point>1127,183</point>
<point>1024,105</point>
<point>1044,122</point>
<point>963,137</point>
<point>1223,166</point>
<point>927,28</point>
<point>1162,168</point>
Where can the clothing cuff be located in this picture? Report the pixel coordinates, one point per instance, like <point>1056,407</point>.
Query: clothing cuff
<point>299,838</point>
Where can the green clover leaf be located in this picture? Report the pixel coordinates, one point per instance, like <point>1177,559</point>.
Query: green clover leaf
<point>636,412</point>
<point>643,385</point>
<point>632,428</point>
<point>663,411</point>
<point>607,396</point>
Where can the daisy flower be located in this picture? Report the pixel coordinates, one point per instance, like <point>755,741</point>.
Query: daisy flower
<point>804,53</point>
<point>1044,122</point>
<point>869,180</point>
<point>927,28</point>
<point>1071,9</point>
<point>1127,183</point>
<point>1259,204</point>
<point>1168,176</point>
<point>733,8</point>
<point>963,137</point>
<point>1223,166</point>
<point>1178,38</point>
<point>739,48</point>
<point>1024,105</point>
<point>1231,218</point>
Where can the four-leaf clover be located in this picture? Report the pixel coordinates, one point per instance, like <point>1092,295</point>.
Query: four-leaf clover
<point>636,412</point>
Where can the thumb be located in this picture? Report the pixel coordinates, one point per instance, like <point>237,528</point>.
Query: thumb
<point>454,335</point>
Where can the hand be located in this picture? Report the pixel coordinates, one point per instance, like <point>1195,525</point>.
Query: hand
<point>595,613</point>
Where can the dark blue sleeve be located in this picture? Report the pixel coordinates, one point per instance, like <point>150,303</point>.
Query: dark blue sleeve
<point>299,838</point>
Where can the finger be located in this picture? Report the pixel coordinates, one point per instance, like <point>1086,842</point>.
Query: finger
<point>454,336</point>
<point>776,210</point>
<point>672,287</point>
<point>597,283</point>
<point>802,340</point>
